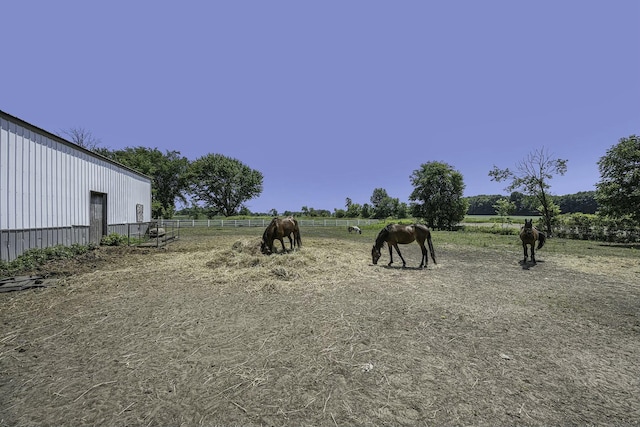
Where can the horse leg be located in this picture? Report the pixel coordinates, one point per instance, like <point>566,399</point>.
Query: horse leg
<point>404,264</point>
<point>533,252</point>
<point>390,255</point>
<point>290,241</point>
<point>524,246</point>
<point>424,261</point>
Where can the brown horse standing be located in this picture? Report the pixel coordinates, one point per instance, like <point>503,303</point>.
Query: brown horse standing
<point>529,234</point>
<point>278,229</point>
<point>394,234</point>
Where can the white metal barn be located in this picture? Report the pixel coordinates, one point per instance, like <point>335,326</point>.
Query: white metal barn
<point>54,192</point>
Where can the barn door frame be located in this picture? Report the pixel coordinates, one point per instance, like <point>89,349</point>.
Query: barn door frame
<point>97,217</point>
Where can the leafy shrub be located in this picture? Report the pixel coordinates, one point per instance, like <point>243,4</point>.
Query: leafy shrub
<point>496,229</point>
<point>33,258</point>
<point>114,239</point>
<point>596,227</point>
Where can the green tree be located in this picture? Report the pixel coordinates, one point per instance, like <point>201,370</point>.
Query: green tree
<point>166,170</point>
<point>383,205</point>
<point>401,209</point>
<point>582,202</point>
<point>618,192</point>
<point>482,204</point>
<point>438,195</point>
<point>223,183</point>
<point>532,176</point>
<point>365,212</point>
<point>354,210</point>
<point>504,207</point>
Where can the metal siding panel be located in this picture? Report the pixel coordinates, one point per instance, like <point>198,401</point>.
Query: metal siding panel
<point>12,245</point>
<point>59,199</point>
<point>38,237</point>
<point>65,182</point>
<point>85,194</point>
<point>48,184</point>
<point>73,173</point>
<point>22,221</point>
<point>42,173</point>
<point>8,195</point>
<point>32,181</point>
<point>78,191</point>
<point>4,244</point>
<point>14,209</point>
<point>30,239</point>
<point>4,171</point>
<point>35,182</point>
<point>123,201</point>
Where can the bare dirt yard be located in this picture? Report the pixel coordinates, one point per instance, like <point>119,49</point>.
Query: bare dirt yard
<point>208,331</point>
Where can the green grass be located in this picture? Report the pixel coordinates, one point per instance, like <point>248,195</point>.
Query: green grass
<point>459,238</point>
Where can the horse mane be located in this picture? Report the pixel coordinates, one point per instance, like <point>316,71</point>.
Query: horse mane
<point>382,237</point>
<point>270,227</point>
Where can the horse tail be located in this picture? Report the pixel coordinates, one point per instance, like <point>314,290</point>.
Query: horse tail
<point>430,244</point>
<point>296,232</point>
<point>541,239</point>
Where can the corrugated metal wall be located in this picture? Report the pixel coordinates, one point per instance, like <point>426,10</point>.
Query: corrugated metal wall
<point>46,185</point>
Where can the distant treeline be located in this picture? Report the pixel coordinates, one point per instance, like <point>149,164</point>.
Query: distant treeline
<point>582,202</point>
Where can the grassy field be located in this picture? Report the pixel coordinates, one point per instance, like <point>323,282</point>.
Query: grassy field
<point>459,238</point>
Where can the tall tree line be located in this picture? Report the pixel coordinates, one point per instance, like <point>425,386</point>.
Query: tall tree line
<point>215,184</point>
<point>581,202</point>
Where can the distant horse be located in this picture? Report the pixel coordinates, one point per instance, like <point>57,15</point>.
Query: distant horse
<point>529,234</point>
<point>354,229</point>
<point>394,234</point>
<point>278,229</point>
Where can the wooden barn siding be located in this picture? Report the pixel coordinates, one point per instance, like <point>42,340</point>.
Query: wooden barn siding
<point>46,184</point>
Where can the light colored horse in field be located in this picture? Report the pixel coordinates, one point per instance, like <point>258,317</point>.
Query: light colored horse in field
<point>354,229</point>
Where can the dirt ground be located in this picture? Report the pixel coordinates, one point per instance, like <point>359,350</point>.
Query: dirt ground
<point>208,331</point>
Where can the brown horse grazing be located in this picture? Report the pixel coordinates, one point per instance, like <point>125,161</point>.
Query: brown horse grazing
<point>529,234</point>
<point>394,234</point>
<point>278,229</point>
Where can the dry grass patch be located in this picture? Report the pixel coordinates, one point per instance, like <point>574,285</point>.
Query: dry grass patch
<point>210,331</point>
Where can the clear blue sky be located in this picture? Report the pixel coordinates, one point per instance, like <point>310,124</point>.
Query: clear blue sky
<point>333,99</point>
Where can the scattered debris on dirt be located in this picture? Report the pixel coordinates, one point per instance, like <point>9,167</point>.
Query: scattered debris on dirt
<point>20,283</point>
